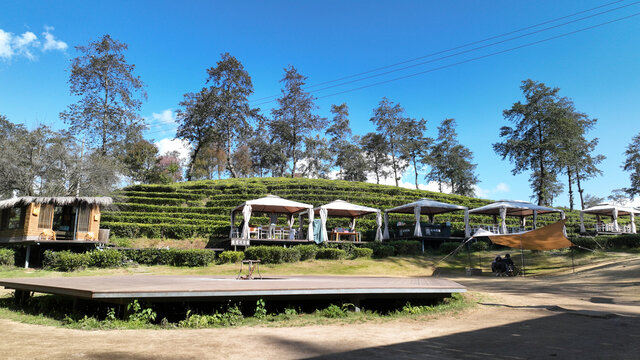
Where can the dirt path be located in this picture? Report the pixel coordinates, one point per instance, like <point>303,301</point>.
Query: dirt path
<point>589,315</point>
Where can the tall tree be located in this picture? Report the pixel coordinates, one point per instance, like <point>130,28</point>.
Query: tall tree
<point>532,144</point>
<point>317,158</point>
<point>139,160</point>
<point>632,165</point>
<point>415,145</point>
<point>110,94</point>
<point>388,118</point>
<point>353,162</point>
<point>294,120</point>
<point>339,133</point>
<point>195,126</point>
<point>376,150</point>
<point>451,163</point>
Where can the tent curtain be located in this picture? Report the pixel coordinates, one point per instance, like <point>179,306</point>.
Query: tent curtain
<point>379,229</point>
<point>535,219</point>
<point>633,223</point>
<point>290,220</point>
<point>614,214</point>
<point>353,224</point>
<point>562,215</point>
<point>386,226</point>
<point>503,220</point>
<point>300,226</point>
<point>310,230</point>
<point>233,220</point>
<point>246,215</point>
<point>467,228</point>
<point>432,218</point>
<point>582,229</point>
<point>417,231</point>
<point>323,219</point>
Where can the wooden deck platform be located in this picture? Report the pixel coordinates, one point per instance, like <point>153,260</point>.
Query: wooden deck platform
<point>121,289</point>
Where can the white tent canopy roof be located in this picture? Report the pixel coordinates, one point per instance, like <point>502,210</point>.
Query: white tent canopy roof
<point>607,209</point>
<point>427,206</point>
<point>514,208</point>
<point>345,209</point>
<point>275,204</point>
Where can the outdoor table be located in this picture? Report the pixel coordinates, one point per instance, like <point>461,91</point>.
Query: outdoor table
<point>336,235</point>
<point>253,265</point>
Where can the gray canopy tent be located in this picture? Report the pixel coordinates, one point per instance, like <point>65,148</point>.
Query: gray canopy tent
<point>272,205</point>
<point>341,208</point>
<point>610,210</point>
<point>520,209</point>
<point>426,207</point>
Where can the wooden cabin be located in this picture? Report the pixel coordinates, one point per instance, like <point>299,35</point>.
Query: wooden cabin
<point>27,219</point>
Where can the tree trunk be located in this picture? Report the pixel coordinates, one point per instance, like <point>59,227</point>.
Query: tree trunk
<point>393,163</point>
<point>570,181</point>
<point>415,168</point>
<point>580,189</point>
<point>230,167</point>
<point>194,155</point>
<point>541,197</point>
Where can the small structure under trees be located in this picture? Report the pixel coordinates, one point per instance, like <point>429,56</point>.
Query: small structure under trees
<point>504,208</point>
<point>430,208</point>
<point>613,211</point>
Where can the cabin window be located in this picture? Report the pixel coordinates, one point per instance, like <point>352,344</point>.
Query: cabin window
<point>46,216</point>
<point>83,218</point>
<point>15,218</point>
<point>64,218</point>
<point>4,219</point>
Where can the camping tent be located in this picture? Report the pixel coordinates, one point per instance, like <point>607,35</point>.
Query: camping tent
<point>425,207</point>
<point>273,205</point>
<point>341,208</point>
<point>521,209</point>
<point>610,210</point>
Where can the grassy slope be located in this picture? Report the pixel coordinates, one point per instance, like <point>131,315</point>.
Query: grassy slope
<point>201,208</point>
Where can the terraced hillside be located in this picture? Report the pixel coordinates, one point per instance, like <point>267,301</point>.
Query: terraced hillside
<point>201,208</point>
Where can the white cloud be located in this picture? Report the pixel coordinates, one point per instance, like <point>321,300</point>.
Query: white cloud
<point>27,43</point>
<point>165,117</point>
<point>50,42</point>
<point>167,145</point>
<point>501,188</point>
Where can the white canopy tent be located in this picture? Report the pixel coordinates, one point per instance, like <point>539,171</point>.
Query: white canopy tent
<point>610,210</point>
<point>272,205</point>
<point>341,208</point>
<point>521,209</point>
<point>426,207</point>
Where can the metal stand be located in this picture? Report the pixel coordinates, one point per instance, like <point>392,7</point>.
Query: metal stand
<point>253,265</point>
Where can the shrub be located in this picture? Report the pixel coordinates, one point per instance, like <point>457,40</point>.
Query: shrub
<point>335,311</point>
<point>230,257</point>
<point>192,257</point>
<point>362,253</point>
<point>106,258</point>
<point>381,250</point>
<point>307,251</point>
<point>65,260</point>
<point>447,247</point>
<point>7,257</point>
<point>291,255</point>
<point>407,247</point>
<point>266,254</point>
<point>331,254</point>
<point>479,246</point>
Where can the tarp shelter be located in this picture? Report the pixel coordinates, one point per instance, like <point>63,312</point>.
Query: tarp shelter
<point>610,210</point>
<point>426,207</point>
<point>269,204</point>
<point>341,208</point>
<point>520,209</point>
<point>549,237</point>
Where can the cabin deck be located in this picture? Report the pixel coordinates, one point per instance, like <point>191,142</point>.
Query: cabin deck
<point>121,289</point>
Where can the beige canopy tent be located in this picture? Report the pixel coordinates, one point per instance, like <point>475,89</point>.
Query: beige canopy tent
<point>341,208</point>
<point>269,204</point>
<point>426,207</point>
<point>610,210</point>
<point>521,209</point>
<point>549,237</point>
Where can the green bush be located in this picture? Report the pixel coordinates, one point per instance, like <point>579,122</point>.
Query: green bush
<point>447,247</point>
<point>381,250</point>
<point>331,254</point>
<point>407,247</point>
<point>361,253</point>
<point>479,246</point>
<point>226,257</point>
<point>7,257</point>
<point>266,254</point>
<point>106,258</point>
<point>307,251</point>
<point>64,260</point>
<point>150,256</point>
<point>192,257</point>
<point>291,255</point>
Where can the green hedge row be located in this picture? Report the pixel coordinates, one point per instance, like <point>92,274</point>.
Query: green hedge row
<point>7,257</point>
<point>171,231</point>
<point>626,241</point>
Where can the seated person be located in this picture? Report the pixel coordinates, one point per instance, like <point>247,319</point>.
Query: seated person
<point>498,266</point>
<point>508,262</point>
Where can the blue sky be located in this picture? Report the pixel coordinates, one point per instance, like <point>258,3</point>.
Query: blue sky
<point>172,44</point>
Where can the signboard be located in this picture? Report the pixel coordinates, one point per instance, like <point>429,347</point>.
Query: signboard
<point>239,242</point>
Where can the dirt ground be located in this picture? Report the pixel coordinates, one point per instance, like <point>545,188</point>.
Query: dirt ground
<point>593,314</point>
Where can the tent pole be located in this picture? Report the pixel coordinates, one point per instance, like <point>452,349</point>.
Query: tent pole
<point>469,255</point>
<point>573,265</point>
<point>522,257</point>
